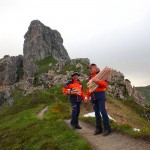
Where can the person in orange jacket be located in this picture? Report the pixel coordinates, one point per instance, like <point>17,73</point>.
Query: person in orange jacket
<point>74,89</point>
<point>98,98</point>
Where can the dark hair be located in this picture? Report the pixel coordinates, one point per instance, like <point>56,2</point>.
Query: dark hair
<point>75,73</point>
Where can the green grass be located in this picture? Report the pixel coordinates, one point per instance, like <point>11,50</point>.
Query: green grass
<point>20,128</point>
<point>69,67</point>
<point>26,131</point>
<point>123,128</point>
<point>22,103</point>
<point>128,114</point>
<point>137,108</point>
<point>43,65</point>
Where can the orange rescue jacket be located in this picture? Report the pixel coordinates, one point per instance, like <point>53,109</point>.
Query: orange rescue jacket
<point>74,84</point>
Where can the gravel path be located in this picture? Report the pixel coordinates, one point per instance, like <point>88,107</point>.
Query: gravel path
<point>114,141</point>
<point>41,113</point>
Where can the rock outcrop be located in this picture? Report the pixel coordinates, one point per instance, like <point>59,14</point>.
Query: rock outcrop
<point>60,75</point>
<point>5,96</point>
<point>41,42</point>
<point>55,77</point>
<point>11,69</point>
<point>121,88</point>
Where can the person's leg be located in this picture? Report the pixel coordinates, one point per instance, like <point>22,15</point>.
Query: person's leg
<point>98,118</point>
<point>78,112</point>
<point>73,115</point>
<point>105,117</point>
<point>78,108</point>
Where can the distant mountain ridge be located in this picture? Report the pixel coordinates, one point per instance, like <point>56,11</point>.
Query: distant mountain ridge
<point>145,91</point>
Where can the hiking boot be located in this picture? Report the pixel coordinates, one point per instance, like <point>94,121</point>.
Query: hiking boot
<point>106,132</point>
<point>78,127</point>
<point>97,131</point>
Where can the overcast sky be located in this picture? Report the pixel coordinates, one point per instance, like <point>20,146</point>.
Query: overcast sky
<point>114,33</point>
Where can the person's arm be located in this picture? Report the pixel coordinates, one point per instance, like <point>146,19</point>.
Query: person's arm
<point>66,89</point>
<point>100,82</point>
<point>87,97</point>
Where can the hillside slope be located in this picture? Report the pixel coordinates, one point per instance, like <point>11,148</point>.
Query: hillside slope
<point>128,115</point>
<point>145,91</point>
<point>20,128</point>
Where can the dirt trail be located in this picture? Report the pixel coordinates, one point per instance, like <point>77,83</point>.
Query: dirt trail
<point>41,113</point>
<point>114,141</point>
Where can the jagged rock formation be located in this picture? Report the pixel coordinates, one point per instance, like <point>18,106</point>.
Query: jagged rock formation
<point>11,69</point>
<point>56,77</point>
<point>120,88</point>
<point>41,42</point>
<point>5,97</point>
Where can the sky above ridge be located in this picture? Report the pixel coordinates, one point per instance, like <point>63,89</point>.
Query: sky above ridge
<point>114,33</point>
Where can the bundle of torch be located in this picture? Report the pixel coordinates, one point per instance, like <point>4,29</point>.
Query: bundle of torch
<point>74,91</point>
<point>102,75</point>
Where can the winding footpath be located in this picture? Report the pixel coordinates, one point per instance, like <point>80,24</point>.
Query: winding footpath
<point>114,141</point>
<point>41,113</point>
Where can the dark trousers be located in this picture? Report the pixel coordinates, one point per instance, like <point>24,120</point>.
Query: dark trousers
<point>75,113</point>
<point>99,107</point>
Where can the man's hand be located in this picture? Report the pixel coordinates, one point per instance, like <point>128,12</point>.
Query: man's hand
<point>73,91</point>
<point>86,100</point>
<point>68,91</point>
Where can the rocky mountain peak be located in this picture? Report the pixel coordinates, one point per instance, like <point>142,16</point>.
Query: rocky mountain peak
<point>40,42</point>
<point>35,24</point>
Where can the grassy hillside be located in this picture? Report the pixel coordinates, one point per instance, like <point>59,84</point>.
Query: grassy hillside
<point>128,115</point>
<point>145,91</point>
<point>71,67</point>
<point>43,65</point>
<point>20,128</point>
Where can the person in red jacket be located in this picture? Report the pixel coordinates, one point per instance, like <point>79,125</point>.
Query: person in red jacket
<point>74,89</point>
<point>98,98</point>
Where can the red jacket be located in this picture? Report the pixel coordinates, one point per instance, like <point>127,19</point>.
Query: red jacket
<point>74,84</point>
